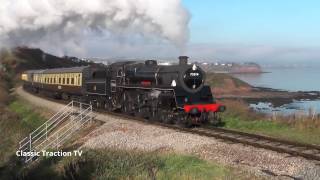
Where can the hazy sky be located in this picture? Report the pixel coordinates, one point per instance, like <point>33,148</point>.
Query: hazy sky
<point>282,31</point>
<point>268,22</point>
<point>273,30</point>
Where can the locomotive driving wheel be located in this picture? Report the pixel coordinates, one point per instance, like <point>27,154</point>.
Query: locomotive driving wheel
<point>108,104</point>
<point>165,116</point>
<point>116,100</point>
<point>183,120</point>
<point>127,104</point>
<point>214,118</point>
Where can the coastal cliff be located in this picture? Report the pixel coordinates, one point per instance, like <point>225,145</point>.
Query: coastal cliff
<point>231,68</point>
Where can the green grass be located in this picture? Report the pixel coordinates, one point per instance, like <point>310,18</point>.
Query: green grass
<point>16,122</point>
<point>274,129</point>
<point>29,118</point>
<point>239,117</point>
<point>219,80</point>
<point>188,167</point>
<point>116,164</point>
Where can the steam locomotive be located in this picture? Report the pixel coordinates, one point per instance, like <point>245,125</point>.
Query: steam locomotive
<point>166,93</point>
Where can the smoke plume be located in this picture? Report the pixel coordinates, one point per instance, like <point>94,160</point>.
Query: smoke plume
<point>64,24</point>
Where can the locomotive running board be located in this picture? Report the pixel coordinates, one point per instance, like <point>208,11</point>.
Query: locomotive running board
<point>56,131</point>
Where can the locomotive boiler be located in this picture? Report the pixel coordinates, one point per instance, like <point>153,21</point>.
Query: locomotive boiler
<point>168,93</point>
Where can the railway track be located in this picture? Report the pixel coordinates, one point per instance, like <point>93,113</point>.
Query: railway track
<point>308,151</point>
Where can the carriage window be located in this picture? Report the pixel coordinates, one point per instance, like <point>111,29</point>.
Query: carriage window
<point>63,81</point>
<point>59,80</point>
<point>67,80</point>
<point>72,81</point>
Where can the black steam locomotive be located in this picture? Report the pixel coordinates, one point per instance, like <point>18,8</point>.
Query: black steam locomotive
<point>167,93</point>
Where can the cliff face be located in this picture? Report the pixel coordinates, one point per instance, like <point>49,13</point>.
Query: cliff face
<point>246,68</point>
<point>222,84</point>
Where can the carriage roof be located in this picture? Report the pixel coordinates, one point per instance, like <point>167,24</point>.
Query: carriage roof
<point>58,70</point>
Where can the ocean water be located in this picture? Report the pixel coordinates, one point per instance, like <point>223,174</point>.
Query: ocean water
<point>290,79</point>
<point>305,107</point>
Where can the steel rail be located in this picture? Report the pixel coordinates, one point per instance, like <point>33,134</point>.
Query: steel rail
<point>308,151</point>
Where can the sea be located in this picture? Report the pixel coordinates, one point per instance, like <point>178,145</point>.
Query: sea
<point>289,79</point>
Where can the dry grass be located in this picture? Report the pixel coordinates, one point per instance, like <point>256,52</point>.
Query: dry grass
<point>298,127</point>
<point>119,164</point>
<point>240,109</point>
<point>299,120</point>
<point>4,96</point>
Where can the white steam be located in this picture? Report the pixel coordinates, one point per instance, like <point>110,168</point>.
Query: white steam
<point>64,24</point>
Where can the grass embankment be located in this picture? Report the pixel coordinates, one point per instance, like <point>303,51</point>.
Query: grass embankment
<point>16,121</point>
<point>222,80</point>
<point>301,129</point>
<point>304,129</point>
<point>97,164</point>
<point>117,164</point>
<point>30,118</point>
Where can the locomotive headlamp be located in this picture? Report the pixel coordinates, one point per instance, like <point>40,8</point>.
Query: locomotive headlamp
<point>173,83</point>
<point>194,67</point>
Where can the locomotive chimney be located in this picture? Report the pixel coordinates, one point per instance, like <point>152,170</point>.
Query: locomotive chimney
<point>183,60</point>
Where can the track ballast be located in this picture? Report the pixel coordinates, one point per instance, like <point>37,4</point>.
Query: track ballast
<point>308,151</point>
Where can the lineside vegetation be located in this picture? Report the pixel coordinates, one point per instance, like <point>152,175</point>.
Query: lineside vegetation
<point>305,129</point>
